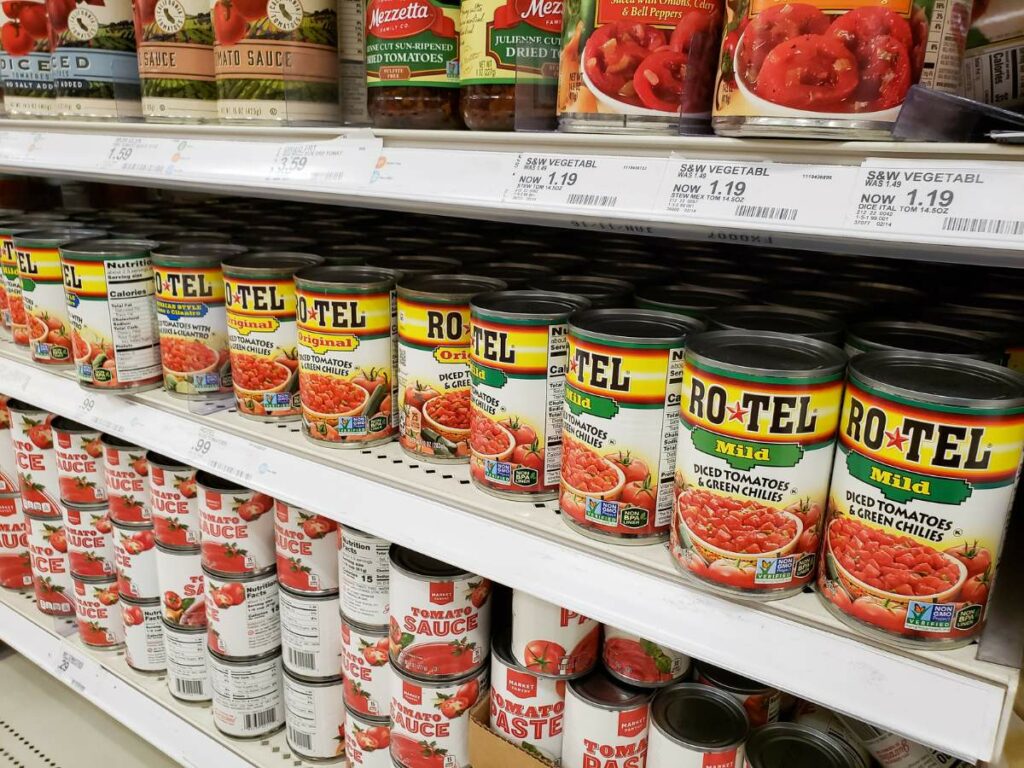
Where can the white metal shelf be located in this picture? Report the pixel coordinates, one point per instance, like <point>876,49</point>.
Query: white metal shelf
<point>949,700</point>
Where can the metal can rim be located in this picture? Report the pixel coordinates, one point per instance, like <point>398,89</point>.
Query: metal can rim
<point>356,278</point>
<point>823,359</point>
<point>830,754</point>
<point>447,290</point>
<point>586,688</point>
<point>727,707</point>
<point>109,249</point>
<point>405,560</point>
<point>538,307</point>
<point>268,264</point>
<point>593,324</point>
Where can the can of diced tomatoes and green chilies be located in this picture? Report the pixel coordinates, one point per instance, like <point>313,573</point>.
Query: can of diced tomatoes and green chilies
<point>314,712</point>
<point>433,364</point>
<point>307,549</point>
<point>79,455</point>
<point>259,293</point>
<point>191,316</point>
<point>930,451</point>
<point>757,433</point>
<point>98,612</point>
<point>143,635</point>
<point>179,573</point>
<point>135,555</point>
<point>550,640</point>
<point>604,721</point>
<point>364,566</point>
<point>34,454</point>
<point>347,355</point>
<point>693,726</point>
<point>114,336</point>
<point>620,422</point>
<point>11,280</point>
<point>15,557</point>
<point>48,559</point>
<point>440,618</point>
<point>173,502</point>
<point>247,699</point>
<point>243,614</point>
<point>187,663</point>
<point>880,335</point>
<point>126,473</point>
<point>803,747</point>
<point>635,661</point>
<point>367,741</point>
<point>518,361</point>
<point>761,702</point>
<point>90,541</point>
<point>830,69</point>
<point>310,640</point>
<point>8,460</point>
<point>237,527</point>
<point>369,678</point>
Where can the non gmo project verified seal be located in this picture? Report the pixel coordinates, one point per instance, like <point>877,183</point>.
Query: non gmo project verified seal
<point>930,617</point>
<point>774,570</point>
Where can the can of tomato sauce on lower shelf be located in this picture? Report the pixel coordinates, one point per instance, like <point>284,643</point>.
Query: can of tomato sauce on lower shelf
<point>307,551</point>
<point>643,663</point>
<point>79,454</point>
<point>693,726</point>
<point>930,450</point>
<point>247,698</point>
<point>126,474</point>
<point>182,587</point>
<point>8,462</point>
<point>143,635</point>
<point>314,712</point>
<point>604,719</point>
<point>51,579</point>
<point>551,640</point>
<point>90,540</point>
<point>761,702</point>
<point>243,615</point>
<point>32,437</point>
<point>364,565</point>
<point>15,557</point>
<point>367,742</point>
<point>173,502</point>
<point>237,527</point>
<point>368,675</point>
<point>310,640</point>
<point>796,746</point>
<point>135,556</point>
<point>97,612</point>
<point>757,432</point>
<point>518,361</point>
<point>188,676</point>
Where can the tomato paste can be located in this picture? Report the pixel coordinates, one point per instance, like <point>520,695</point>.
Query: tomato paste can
<point>757,433</point>
<point>369,678</point>
<point>247,698</point>
<point>832,724</point>
<point>761,702</point>
<point>693,726</point>
<point>173,502</point>
<point>552,641</point>
<point>880,335</point>
<point>143,635</point>
<point>643,663</point>
<point>182,587</point>
<point>51,579</point>
<point>314,711</point>
<point>430,718</point>
<point>347,354</point>
<point>835,70</point>
<point>97,612</point>
<point>440,617</point>
<point>79,455</point>
<point>768,317</point>
<point>187,663</point>
<point>789,745</point>
<point>126,474</point>
<point>930,451</point>
<point>237,533</point>
<point>243,615</point>
<point>604,721</point>
<point>114,335</point>
<point>307,549</point>
<point>518,363</point>
<point>259,295</point>
<point>310,639</point>
<point>36,459</point>
<point>135,555</point>
<point>367,742</point>
<point>8,461</point>
<point>433,364</point>
<point>15,557</point>
<point>90,540</point>
<point>364,566</point>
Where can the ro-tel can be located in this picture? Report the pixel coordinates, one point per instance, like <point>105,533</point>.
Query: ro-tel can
<point>259,293</point>
<point>433,364</point>
<point>126,472</point>
<point>920,337</point>
<point>314,711</point>
<point>247,698</point>
<point>930,449</point>
<point>766,317</point>
<point>605,723</point>
<point>893,751</point>
<point>243,614</point>
<point>517,367</point>
<point>179,573</point>
<point>856,61</point>
<point>550,640</point>
<point>685,299</point>
<point>14,314</point>
<point>98,612</point>
<point>114,337</point>
<point>310,639</point>
<point>15,557</point>
<point>620,422</point>
<point>48,548</point>
<point>831,724</point>
<point>363,576</point>
<point>756,436</point>
<point>601,292</point>
<point>368,676</point>
<point>347,354</point>
<point>173,502</point>
<point>32,437</point>
<point>237,531</point>
<point>760,701</point>
<point>367,741</point>
<point>789,745</point>
<point>693,726</point>
<point>79,455</point>
<point>440,617</point>
<point>26,72</point>
<point>90,539</point>
<point>187,663</point>
<point>430,718</point>
<point>191,316</point>
<point>635,661</point>
<point>8,462</point>
<point>307,550</point>
<point>143,635</point>
<point>135,555</point>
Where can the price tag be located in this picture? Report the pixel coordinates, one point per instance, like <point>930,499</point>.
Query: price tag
<point>441,174</point>
<point>135,155</point>
<point>73,668</point>
<point>338,162</point>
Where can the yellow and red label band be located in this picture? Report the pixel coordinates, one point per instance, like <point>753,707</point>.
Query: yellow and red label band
<point>260,298</point>
<point>189,285</point>
<point>520,350</point>
<point>628,376</point>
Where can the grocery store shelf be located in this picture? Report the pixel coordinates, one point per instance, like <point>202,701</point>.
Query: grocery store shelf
<point>949,700</point>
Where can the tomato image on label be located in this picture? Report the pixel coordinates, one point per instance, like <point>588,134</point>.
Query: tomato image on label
<point>641,662</point>
<point>79,453</point>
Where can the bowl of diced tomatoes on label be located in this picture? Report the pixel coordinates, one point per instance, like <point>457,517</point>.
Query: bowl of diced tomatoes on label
<point>448,414</point>
<point>491,440</point>
<point>587,474</point>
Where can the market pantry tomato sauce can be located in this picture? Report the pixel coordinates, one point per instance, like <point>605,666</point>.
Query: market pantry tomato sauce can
<point>173,501</point>
<point>15,557</point>
<point>367,742</point>
<point>307,551</point>
<point>310,640</point>
<point>79,454</point>
<point>364,565</point>
<point>237,527</point>
<point>126,472</point>
<point>551,640</point>
<point>90,541</point>
<point>98,612</point>
<point>757,432</point>
<point>8,462</point>
<point>48,548</point>
<point>182,587</point>
<point>368,675</point>
<point>135,557</point>
<point>248,701</point>
<point>930,451</point>
<point>143,635</point>
<point>605,723</point>
<point>693,726</point>
<point>243,615</point>
<point>32,437</point>
<point>187,660</point>
<point>314,713</point>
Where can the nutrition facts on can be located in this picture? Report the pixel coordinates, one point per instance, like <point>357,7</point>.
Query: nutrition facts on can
<point>133,322</point>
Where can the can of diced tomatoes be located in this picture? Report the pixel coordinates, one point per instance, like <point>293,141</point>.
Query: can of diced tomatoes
<point>247,698</point>
<point>114,335</point>
<point>757,433</point>
<point>243,615</point>
<point>11,281</point>
<point>173,503</point>
<point>367,741</point>
<point>51,579</point>
<point>769,317</point>
<point>310,640</point>
<point>143,635</point>
<point>8,462</point>
<point>635,661</point>
<point>620,422</point>
<point>79,455</point>
<point>135,555</point>
<point>693,726</point>
<point>192,320</point>
<point>552,641</point>
<point>803,747</point>
<point>314,711</point>
<point>90,539</point>
<point>237,532</point>
<point>761,702</point>
<point>878,335</point>
<point>15,557</point>
<point>126,472</point>
<point>930,451</point>
<point>182,587</point>
<point>188,676</point>
<point>518,362</point>
<point>259,295</point>
<point>347,354</point>
<point>440,617</point>
<point>307,549</point>
<point>364,565</point>
<point>368,676</point>
<point>603,720</point>
<point>430,718</point>
<point>36,459</point>
<point>433,364</point>
<point>97,612</point>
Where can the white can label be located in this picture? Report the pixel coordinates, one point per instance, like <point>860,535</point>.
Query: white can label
<point>98,613</point>
<point>363,573</point>
<point>369,679</point>
<point>175,508</point>
<point>367,743</point>
<point>552,640</point>
<point>527,710</point>
<point>665,753</point>
<point>90,542</point>
<point>125,471</point>
<point>307,549</point>
<point>143,636</point>
<point>247,698</point>
<point>135,555</point>
<point>244,616</point>
<point>8,462</point>
<point>604,738</point>
<point>48,546</point>
<point>37,462</point>
<point>310,640</point>
<point>237,532</point>
<point>315,716</point>
<point>187,675</point>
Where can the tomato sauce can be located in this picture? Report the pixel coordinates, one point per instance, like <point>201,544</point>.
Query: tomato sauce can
<point>173,502</point>
<point>114,335</point>
<point>243,615</point>
<point>126,473</point>
<point>605,724</point>
<point>143,635</point>
<point>367,742</point>
<point>15,557</point>
<point>79,455</point>
<point>247,698</point>
<point>552,641</point>
<point>930,452</point>
<point>801,746</point>
<point>369,678</point>
<point>36,459</point>
<point>364,566</point>
<point>440,617</point>
<point>310,639</point>
<point>182,586</point>
<point>433,364</point>
<point>98,612</point>
<point>757,433</point>
<point>90,539</point>
<point>259,296</point>
<point>135,556</point>
<point>307,550</point>
<point>187,663</point>
<point>237,531</point>
<point>8,461</point>
<point>51,580</point>
<point>518,363</point>
<point>693,726</point>
<point>761,702</point>
<point>314,711</point>
<point>635,661</point>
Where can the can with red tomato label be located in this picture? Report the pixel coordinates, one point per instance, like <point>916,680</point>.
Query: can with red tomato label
<point>310,640</point>
<point>79,454</point>
<point>440,617</point>
<point>757,433</point>
<point>314,711</point>
<point>236,531</point>
<point>604,722</point>
<point>126,472</point>
<point>368,676</point>
<point>98,612</point>
<point>143,635</point>
<point>172,499</point>
<point>36,459</point>
<point>188,676</point>
<point>367,742</point>
<point>15,557</point>
<point>797,746</point>
<point>517,368</point>
<point>8,462</point>
<point>179,573</point>
<point>760,701</point>
<point>90,540</point>
<point>693,726</point>
<point>635,661</point>
<point>552,641</point>
<point>135,555</point>
<point>430,718</point>
<point>364,566</point>
<point>243,615</point>
<point>48,553</point>
<point>306,547</point>
<point>247,698</point>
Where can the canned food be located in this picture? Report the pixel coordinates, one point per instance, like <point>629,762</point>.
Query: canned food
<point>143,635</point>
<point>36,459</point>
<point>8,462</point>
<point>27,78</point>
<point>15,557</point>
<point>14,315</point>
<point>114,336</point>
<point>314,712</point>
<point>247,698</point>
<point>48,547</point>
<point>188,676</point>
<point>930,449</point>
<point>182,587</point>
<point>79,455</point>
<point>604,721</point>
<point>920,337</point>
<point>259,294</point>
<point>517,368</point>
<point>831,724</point>
<point>832,302</point>
<point>893,751</point>
<point>367,742</point>
<point>97,612</point>
<point>172,498</point>
<point>550,640</point>
<point>635,661</point>
<point>756,436</point>
<point>310,640</point>
<point>368,676</point>
<point>601,292</point>
<point>788,745</point>
<point>363,576</point>
<point>788,320</point>
<point>693,726</point>
<point>135,555</point>
<point>237,533</point>
<point>126,472</point>
<point>306,547</point>
<point>90,542</point>
<point>243,615</point>
<point>686,299</point>
<point>440,617</point>
<point>761,702</point>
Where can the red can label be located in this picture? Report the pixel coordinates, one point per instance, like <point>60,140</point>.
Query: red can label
<point>367,742</point>
<point>306,549</point>
<point>237,532</point>
<point>182,587</point>
<point>368,676</point>
<point>143,636</point>
<point>90,542</point>
<point>37,462</point>
<point>15,560</point>
<point>552,640</point>
<point>599,737</point>
<point>80,467</point>
<point>48,547</point>
<point>641,662</point>
<point>527,709</point>
<point>8,462</point>
<point>98,613</point>
<point>244,616</point>
<point>135,555</point>
<point>172,497</point>
<point>125,473</point>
